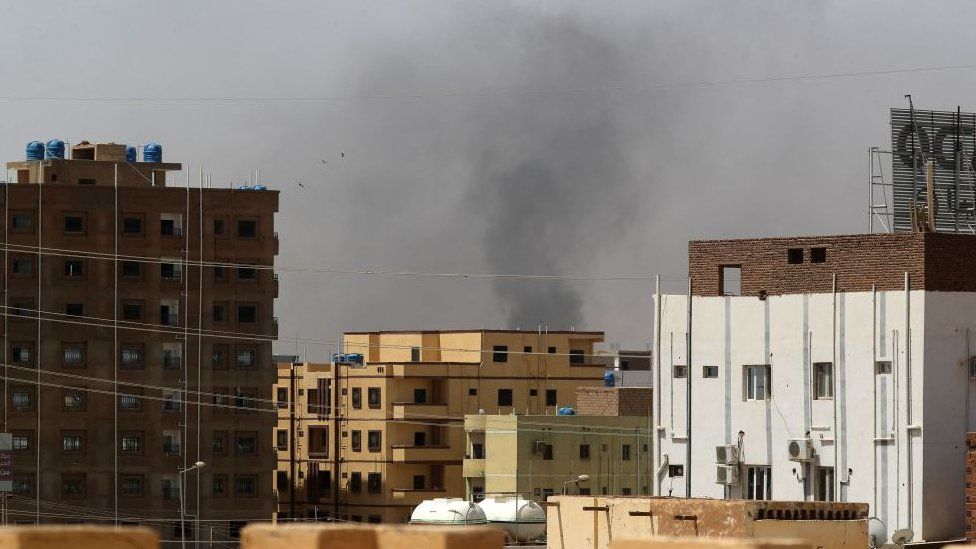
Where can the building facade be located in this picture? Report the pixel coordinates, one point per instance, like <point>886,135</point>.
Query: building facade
<point>398,435</point>
<point>538,456</point>
<point>823,368</point>
<point>135,346</point>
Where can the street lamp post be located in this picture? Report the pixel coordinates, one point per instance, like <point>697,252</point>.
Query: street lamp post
<point>576,481</point>
<point>183,472</point>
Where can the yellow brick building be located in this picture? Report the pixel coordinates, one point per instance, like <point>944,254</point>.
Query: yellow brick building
<point>398,437</point>
<point>537,456</point>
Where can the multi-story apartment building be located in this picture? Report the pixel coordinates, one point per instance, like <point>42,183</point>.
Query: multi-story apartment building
<point>538,456</point>
<point>832,368</point>
<point>398,437</point>
<point>133,344</point>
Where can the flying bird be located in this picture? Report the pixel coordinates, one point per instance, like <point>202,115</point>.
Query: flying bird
<point>302,186</point>
<point>342,154</point>
<point>323,160</point>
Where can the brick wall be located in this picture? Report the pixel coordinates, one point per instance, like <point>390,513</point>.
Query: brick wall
<point>613,401</point>
<point>970,487</point>
<point>934,262</point>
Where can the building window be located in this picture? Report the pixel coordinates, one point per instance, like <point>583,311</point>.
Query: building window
<point>245,398</point>
<point>477,451</point>
<point>679,371</point>
<point>245,359</point>
<point>533,392</point>
<point>551,397</point>
<point>21,399</point>
<point>74,309</point>
<point>131,356</point>
<point>170,225</point>
<point>131,269</point>
<point>247,273</point>
<point>21,222</point>
<point>21,441</point>
<point>499,353</point>
<point>220,274</point>
<point>547,452</point>
<point>247,228</point>
<point>81,180</point>
<point>357,397</point>
<point>132,225</point>
<point>756,383</point>
<point>20,353</point>
<point>373,397</point>
<point>219,354</point>
<point>281,439</point>
<point>415,354</point>
<point>577,356</point>
<point>884,367</point>
<point>419,482</point>
<point>282,397</point>
<point>356,483</point>
<point>246,443</point>
<point>625,491</point>
<point>472,391</point>
<point>131,486</point>
<point>823,380</point>
<point>171,270</point>
<point>129,402</point>
<point>219,312</point>
<point>73,486</point>
<point>676,470</point>
<point>825,484</point>
<point>420,396</point>
<point>73,355</point>
<point>282,481</point>
<point>730,280</point>
<point>131,444</point>
<point>625,452</point>
<point>219,442</point>
<point>172,360</point>
<point>374,439</point>
<point>552,350</point>
<point>818,255</point>
<point>584,451</point>
<point>504,397</point>
<point>356,441</point>
<point>247,314</point>
<point>73,401</point>
<point>245,485</point>
<point>132,311</point>
<point>219,227</point>
<point>74,223</point>
<point>794,256</point>
<point>22,266</point>
<point>373,483</point>
<point>527,350</point>
<point>709,372</point>
<point>220,485</point>
<point>23,486</point>
<point>758,482</point>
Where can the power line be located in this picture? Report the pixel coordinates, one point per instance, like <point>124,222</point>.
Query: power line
<point>484,92</point>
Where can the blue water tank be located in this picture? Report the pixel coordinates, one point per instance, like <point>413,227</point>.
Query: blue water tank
<point>608,379</point>
<point>565,411</point>
<point>54,149</point>
<point>35,150</point>
<point>355,358</point>
<point>243,188</point>
<point>130,155</point>
<point>152,152</point>
<point>259,188</point>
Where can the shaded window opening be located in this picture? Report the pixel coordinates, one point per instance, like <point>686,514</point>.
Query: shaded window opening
<point>730,282</point>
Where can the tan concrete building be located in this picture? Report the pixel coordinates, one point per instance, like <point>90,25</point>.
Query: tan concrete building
<point>131,349</point>
<point>538,456</point>
<point>400,420</point>
<point>579,522</point>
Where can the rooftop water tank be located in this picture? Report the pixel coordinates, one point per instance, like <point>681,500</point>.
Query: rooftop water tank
<point>152,152</point>
<point>35,150</point>
<point>565,411</point>
<point>355,358</point>
<point>608,379</point>
<point>130,154</point>
<point>522,519</point>
<point>448,511</point>
<point>259,188</point>
<point>54,149</point>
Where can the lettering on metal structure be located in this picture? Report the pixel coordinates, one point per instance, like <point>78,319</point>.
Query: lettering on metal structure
<point>948,142</point>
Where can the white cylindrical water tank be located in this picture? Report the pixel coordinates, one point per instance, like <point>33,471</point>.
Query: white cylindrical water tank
<point>448,511</point>
<point>523,519</point>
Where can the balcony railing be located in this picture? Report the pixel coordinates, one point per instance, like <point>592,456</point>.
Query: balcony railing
<point>172,448</point>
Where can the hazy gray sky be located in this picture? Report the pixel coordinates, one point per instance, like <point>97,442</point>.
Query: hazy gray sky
<point>445,170</point>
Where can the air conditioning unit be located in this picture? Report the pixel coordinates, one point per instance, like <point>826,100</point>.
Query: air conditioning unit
<point>727,454</point>
<point>800,449</point>
<point>727,475</point>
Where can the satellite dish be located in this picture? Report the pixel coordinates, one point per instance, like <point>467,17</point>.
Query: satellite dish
<point>877,532</point>
<point>903,536</point>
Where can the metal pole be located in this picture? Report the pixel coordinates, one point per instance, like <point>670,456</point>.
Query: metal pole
<point>291,444</point>
<point>688,377</point>
<point>182,513</point>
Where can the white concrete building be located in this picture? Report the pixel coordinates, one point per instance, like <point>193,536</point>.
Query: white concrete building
<point>854,349</point>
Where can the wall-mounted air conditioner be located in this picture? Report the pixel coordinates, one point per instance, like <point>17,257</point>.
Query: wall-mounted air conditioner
<point>727,475</point>
<point>800,449</point>
<point>727,454</point>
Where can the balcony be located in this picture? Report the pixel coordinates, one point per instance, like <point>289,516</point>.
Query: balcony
<point>472,468</point>
<point>275,285</point>
<point>407,454</point>
<point>171,449</point>
<point>169,319</point>
<point>409,410</point>
<point>172,362</point>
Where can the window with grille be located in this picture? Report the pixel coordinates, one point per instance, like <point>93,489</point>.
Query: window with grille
<point>72,443</point>
<point>22,486</point>
<point>74,400</point>
<point>131,444</point>
<point>20,353</point>
<point>246,485</point>
<point>374,440</point>
<point>73,486</point>
<point>373,397</point>
<point>131,486</point>
<point>219,443</point>
<point>21,400</point>
<point>219,356</point>
<point>131,357</point>
<point>21,441</point>
<point>220,485</point>
<point>246,443</point>
<point>73,355</point>
<point>245,358</point>
<point>129,402</point>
